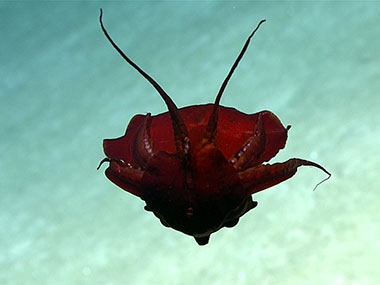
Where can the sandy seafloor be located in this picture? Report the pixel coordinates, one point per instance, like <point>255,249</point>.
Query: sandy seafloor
<point>63,89</point>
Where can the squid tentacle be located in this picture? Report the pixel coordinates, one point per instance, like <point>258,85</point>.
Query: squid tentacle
<point>260,177</point>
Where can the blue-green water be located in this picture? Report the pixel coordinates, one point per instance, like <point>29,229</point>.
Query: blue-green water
<point>63,89</point>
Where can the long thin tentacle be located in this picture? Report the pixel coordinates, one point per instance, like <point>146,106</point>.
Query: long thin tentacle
<point>213,120</point>
<point>180,130</point>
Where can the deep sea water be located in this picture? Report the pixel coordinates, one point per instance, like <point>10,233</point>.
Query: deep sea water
<point>63,89</point>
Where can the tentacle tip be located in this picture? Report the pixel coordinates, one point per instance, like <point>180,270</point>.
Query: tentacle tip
<point>327,178</point>
<point>103,160</point>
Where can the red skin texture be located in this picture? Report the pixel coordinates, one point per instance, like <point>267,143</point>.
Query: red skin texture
<point>234,128</point>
